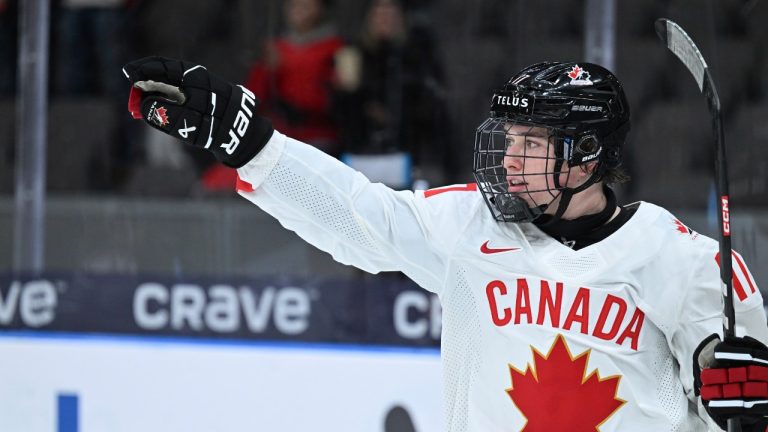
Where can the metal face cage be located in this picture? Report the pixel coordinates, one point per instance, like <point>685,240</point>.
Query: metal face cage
<point>519,167</point>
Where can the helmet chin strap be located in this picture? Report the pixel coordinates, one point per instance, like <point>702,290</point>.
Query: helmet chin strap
<point>566,194</point>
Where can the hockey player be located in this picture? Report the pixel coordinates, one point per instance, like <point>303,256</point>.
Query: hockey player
<point>561,309</point>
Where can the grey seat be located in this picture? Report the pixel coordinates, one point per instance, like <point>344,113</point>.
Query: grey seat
<point>670,152</point>
<point>550,50</point>
<point>80,138</point>
<point>747,146</point>
<point>7,142</point>
<point>635,19</point>
<point>732,69</point>
<point>473,72</point>
<point>639,64</point>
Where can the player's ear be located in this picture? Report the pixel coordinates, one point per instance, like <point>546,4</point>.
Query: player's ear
<point>588,168</point>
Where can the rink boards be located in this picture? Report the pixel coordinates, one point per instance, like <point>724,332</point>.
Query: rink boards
<point>106,353</point>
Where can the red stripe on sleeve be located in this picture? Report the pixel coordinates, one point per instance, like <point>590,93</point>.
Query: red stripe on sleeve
<point>737,287</point>
<point>744,271</point>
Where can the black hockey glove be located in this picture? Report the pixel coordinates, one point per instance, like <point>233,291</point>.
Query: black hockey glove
<point>186,101</point>
<point>731,377</point>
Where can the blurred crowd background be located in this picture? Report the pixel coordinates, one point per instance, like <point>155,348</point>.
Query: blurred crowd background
<point>383,80</point>
<point>140,277</point>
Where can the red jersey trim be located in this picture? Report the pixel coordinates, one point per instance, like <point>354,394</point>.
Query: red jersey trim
<point>243,186</point>
<point>469,187</point>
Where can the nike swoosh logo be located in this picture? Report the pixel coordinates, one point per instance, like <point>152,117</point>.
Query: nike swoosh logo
<point>489,250</point>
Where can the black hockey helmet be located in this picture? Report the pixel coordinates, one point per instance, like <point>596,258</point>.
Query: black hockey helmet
<point>582,108</point>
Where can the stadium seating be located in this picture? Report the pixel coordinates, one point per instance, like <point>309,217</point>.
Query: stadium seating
<point>79,143</point>
<point>7,151</point>
<point>670,155</point>
<point>747,143</point>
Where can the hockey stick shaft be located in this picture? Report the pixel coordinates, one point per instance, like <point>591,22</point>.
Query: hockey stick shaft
<point>678,41</point>
<point>683,47</point>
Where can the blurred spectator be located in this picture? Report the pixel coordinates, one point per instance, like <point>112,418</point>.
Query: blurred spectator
<point>208,38</point>
<point>90,42</point>
<point>295,79</point>
<point>295,82</point>
<point>391,97</point>
<point>8,47</point>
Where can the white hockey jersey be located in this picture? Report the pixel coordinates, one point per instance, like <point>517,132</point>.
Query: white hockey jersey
<point>536,336</point>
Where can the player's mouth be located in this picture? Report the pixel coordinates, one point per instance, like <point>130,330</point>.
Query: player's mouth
<point>517,185</point>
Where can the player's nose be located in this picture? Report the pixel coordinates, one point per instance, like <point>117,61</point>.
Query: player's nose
<point>513,163</point>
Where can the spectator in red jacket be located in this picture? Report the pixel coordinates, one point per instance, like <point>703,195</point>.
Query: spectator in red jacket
<point>295,79</point>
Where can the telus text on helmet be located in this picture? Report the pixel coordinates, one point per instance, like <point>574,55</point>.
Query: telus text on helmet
<point>515,101</point>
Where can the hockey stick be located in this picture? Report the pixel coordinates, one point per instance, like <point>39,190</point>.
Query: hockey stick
<point>675,38</point>
<point>683,47</point>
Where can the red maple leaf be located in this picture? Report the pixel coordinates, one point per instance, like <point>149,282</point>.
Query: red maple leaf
<point>556,394</point>
<point>162,116</point>
<point>680,227</point>
<point>575,72</point>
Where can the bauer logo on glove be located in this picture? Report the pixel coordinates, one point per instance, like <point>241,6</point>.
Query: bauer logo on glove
<point>242,121</point>
<point>187,102</point>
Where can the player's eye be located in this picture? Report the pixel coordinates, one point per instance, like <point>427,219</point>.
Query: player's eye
<point>531,144</point>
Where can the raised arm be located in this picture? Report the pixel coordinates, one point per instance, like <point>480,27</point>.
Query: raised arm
<point>324,201</point>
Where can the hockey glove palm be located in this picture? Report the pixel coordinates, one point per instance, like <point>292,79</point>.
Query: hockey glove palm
<point>187,102</point>
<point>732,379</point>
